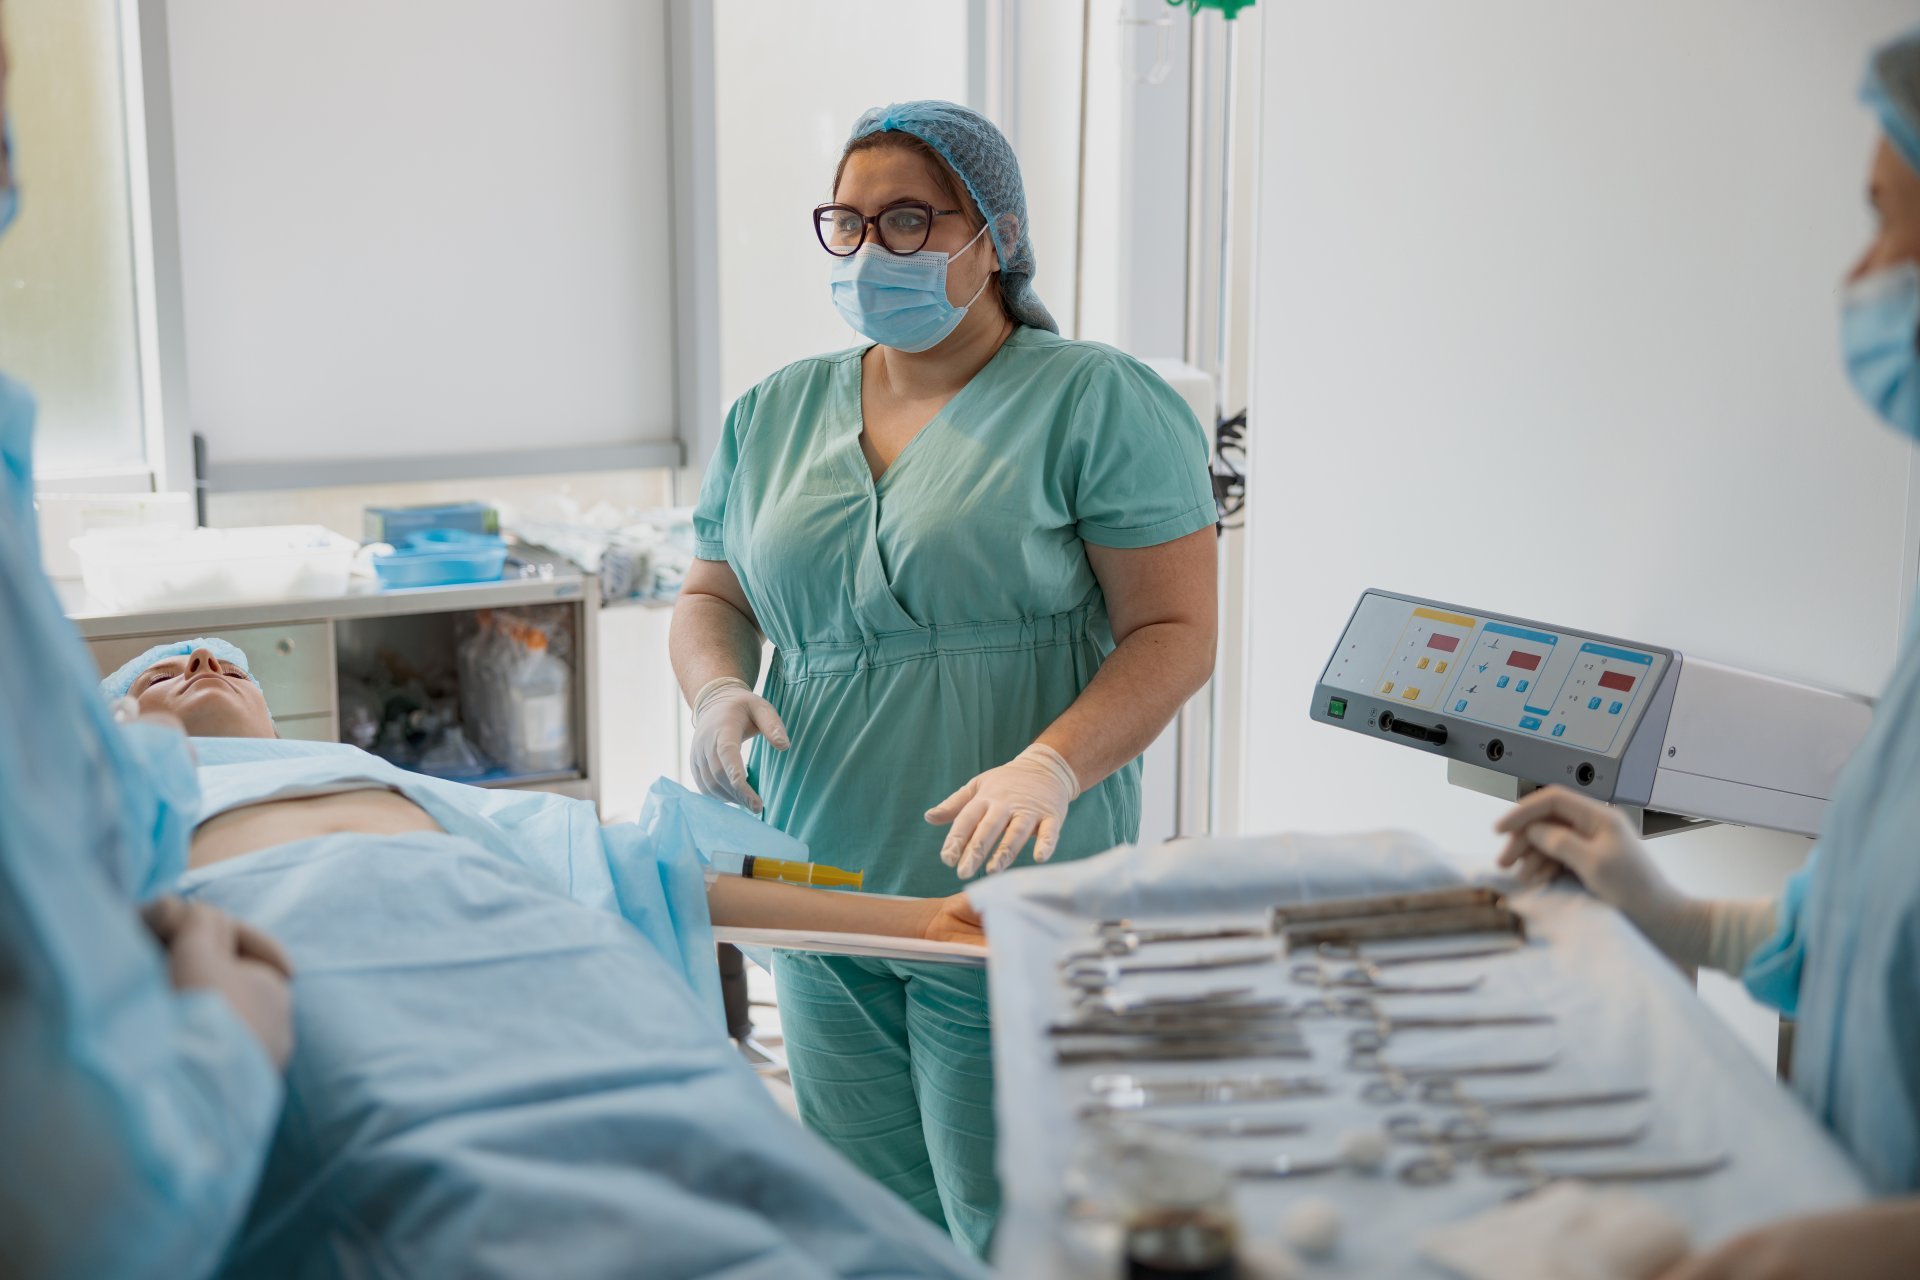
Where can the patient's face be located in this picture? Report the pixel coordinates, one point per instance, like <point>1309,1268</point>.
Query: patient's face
<point>213,699</point>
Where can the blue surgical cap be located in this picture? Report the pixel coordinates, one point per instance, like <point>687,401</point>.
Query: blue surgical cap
<point>984,159</point>
<point>120,683</point>
<point>1892,89</point>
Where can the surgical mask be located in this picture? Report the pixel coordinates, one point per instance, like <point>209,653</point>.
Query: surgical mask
<point>900,300</point>
<point>10,194</point>
<point>1879,329</point>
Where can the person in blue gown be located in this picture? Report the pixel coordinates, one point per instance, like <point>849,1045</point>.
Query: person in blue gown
<point>139,1059</point>
<point>1840,949</point>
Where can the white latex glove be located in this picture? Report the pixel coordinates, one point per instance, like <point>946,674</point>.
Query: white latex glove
<point>1555,830</point>
<point>1024,799</point>
<point>726,713</point>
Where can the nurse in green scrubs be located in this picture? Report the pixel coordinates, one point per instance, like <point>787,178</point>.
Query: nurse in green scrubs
<point>981,554</point>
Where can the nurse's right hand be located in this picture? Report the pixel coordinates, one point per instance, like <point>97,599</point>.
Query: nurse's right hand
<point>209,949</point>
<point>1555,830</point>
<point>726,714</point>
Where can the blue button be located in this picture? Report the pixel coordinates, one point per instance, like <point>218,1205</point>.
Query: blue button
<point>1614,710</point>
<point>1593,704</point>
<point>1523,686</point>
<point>1460,705</point>
<point>1530,722</point>
<point>1560,730</point>
<point>1503,683</point>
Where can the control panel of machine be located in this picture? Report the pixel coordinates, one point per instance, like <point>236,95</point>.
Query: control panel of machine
<point>1524,697</point>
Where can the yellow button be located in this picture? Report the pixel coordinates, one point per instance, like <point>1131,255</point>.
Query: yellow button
<point>1411,695</point>
<point>1441,669</point>
<point>1387,687</point>
<point>1423,664</point>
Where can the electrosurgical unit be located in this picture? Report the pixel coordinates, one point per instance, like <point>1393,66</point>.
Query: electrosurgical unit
<point>1514,704</point>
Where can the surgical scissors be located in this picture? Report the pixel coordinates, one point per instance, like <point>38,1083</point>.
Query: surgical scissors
<point>1374,1038</point>
<point>1475,1132</point>
<point>1361,977</point>
<point>1399,1083</point>
<point>1101,975</point>
<point>1121,937</point>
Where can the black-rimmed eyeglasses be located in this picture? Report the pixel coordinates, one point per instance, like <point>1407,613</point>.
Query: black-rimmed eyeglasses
<point>900,228</point>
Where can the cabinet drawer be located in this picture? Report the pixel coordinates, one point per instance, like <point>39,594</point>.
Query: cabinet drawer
<point>293,663</point>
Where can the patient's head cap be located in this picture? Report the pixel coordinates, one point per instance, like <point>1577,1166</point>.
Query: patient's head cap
<point>120,683</point>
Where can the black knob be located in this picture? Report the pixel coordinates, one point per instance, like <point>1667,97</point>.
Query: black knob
<point>1583,775</point>
<point>1496,749</point>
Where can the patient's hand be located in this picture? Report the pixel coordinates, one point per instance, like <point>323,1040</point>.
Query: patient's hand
<point>207,948</point>
<point>953,919</point>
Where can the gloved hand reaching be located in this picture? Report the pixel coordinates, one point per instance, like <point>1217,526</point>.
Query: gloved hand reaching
<point>1024,799</point>
<point>1555,830</point>
<point>726,712</point>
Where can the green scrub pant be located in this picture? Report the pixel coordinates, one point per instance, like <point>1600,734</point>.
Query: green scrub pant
<point>892,1064</point>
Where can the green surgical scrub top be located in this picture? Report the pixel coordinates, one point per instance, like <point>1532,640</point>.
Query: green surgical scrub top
<point>929,625</point>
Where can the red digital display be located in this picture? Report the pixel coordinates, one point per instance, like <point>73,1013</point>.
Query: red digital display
<point>1524,660</point>
<point>1617,680</point>
<point>1445,644</point>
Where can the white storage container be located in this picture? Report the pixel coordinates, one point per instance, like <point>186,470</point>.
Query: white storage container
<point>131,570</point>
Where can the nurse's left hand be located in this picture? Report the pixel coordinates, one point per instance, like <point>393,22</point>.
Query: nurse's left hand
<point>1001,809</point>
<point>1879,1242</point>
<point>953,919</point>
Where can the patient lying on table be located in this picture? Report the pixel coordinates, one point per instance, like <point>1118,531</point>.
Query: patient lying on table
<point>510,1054</point>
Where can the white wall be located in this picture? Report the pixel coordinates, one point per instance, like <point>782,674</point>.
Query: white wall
<point>1546,325</point>
<point>792,76</point>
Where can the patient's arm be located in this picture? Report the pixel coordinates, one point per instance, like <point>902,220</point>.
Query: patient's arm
<point>763,904</point>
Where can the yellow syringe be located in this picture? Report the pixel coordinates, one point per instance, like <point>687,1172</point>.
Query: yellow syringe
<point>817,874</point>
